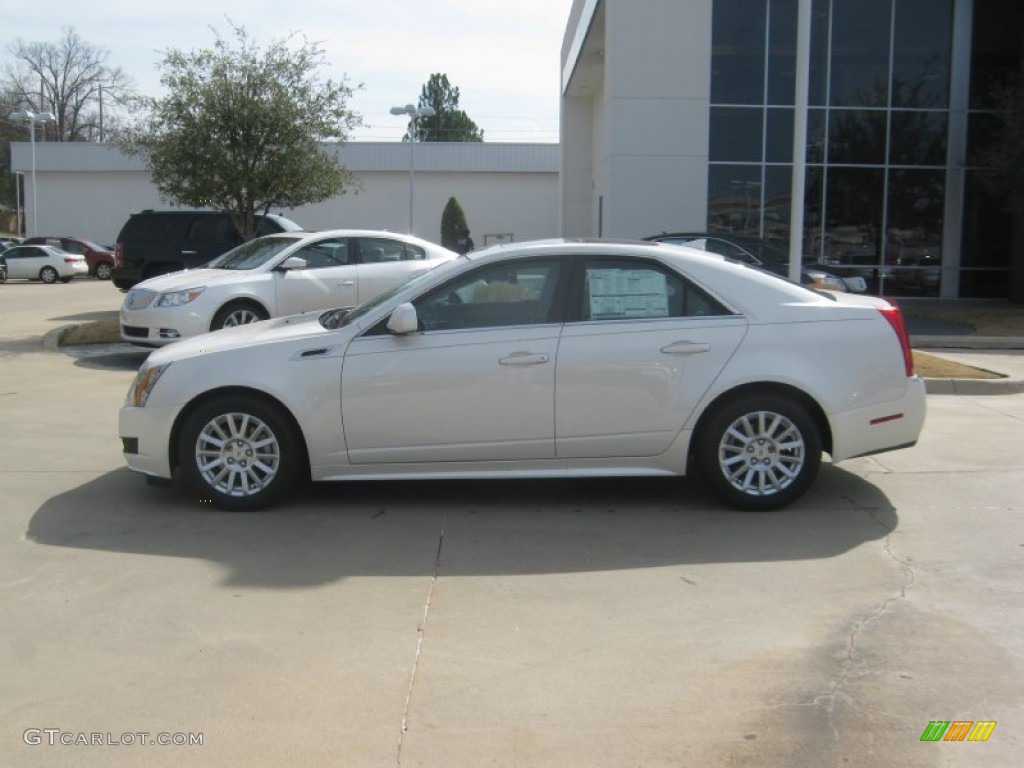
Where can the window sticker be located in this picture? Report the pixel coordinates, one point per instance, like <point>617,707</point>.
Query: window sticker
<point>626,293</point>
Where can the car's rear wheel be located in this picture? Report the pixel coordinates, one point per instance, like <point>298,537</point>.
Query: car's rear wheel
<point>239,453</point>
<point>48,275</point>
<point>103,270</point>
<point>760,452</point>
<point>238,313</point>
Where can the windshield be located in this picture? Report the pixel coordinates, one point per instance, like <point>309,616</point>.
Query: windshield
<point>252,254</point>
<point>337,318</point>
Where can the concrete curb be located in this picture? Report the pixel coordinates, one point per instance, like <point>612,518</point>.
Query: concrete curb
<point>52,338</point>
<point>974,386</point>
<point>967,342</point>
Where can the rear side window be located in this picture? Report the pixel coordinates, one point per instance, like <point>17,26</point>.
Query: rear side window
<point>214,230</point>
<point>622,289</point>
<point>374,250</point>
<point>150,227</point>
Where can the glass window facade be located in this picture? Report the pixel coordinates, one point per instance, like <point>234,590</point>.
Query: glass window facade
<point>879,131</point>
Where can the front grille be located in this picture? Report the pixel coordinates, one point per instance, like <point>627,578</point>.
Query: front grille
<point>139,298</point>
<point>131,330</point>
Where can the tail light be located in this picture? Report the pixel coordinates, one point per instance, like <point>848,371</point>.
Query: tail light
<point>894,316</point>
<point>119,254</point>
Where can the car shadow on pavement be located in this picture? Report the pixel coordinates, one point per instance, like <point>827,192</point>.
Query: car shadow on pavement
<point>328,532</point>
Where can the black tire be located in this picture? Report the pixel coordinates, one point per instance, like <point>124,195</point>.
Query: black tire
<point>103,270</point>
<point>759,452</point>
<point>238,313</point>
<point>239,453</point>
<point>48,275</point>
<point>65,279</point>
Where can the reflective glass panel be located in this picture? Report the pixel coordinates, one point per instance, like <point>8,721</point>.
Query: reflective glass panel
<point>860,52</point>
<point>734,199</point>
<point>736,133</point>
<point>914,231</point>
<point>921,58</point>
<point>737,51</point>
<point>918,138</point>
<point>856,136</point>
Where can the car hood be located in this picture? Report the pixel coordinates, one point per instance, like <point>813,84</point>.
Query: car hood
<point>281,329</point>
<point>195,278</point>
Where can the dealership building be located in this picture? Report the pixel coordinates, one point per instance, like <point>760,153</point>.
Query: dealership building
<point>680,116</point>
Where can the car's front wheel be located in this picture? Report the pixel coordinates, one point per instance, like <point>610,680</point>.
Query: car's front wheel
<point>48,275</point>
<point>239,453</point>
<point>760,452</point>
<point>239,313</point>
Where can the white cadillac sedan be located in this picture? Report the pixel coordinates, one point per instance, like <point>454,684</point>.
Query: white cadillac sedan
<point>545,359</point>
<point>279,274</point>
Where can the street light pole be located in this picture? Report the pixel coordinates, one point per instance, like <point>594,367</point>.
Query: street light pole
<point>413,113</point>
<point>30,117</point>
<point>19,179</point>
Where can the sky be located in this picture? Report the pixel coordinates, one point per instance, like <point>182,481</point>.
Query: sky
<point>503,55</point>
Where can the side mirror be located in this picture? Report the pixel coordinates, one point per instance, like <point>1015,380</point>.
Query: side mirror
<point>292,262</point>
<point>403,320</point>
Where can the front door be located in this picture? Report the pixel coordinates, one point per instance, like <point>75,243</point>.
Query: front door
<point>476,384</point>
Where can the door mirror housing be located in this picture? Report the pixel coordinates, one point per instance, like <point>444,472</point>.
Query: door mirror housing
<point>403,320</point>
<point>292,263</point>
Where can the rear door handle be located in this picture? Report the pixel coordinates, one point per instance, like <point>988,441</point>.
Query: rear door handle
<point>685,348</point>
<point>347,283</point>
<point>524,358</point>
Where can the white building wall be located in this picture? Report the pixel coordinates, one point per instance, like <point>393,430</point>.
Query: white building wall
<point>90,190</point>
<point>646,70</point>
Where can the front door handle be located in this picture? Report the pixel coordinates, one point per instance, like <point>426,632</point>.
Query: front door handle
<point>524,358</point>
<point>685,348</point>
<point>347,283</point>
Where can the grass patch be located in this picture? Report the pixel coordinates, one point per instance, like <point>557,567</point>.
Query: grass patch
<point>934,367</point>
<point>97,332</point>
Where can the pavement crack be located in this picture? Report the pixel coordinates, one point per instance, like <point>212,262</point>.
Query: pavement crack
<point>828,699</point>
<point>420,634</point>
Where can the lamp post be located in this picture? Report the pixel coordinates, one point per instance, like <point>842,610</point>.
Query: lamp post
<point>19,179</point>
<point>30,117</point>
<point>414,113</point>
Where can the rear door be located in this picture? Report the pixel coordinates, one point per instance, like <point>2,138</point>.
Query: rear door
<point>329,281</point>
<point>645,345</point>
<point>385,263</point>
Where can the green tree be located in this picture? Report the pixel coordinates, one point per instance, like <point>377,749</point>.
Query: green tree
<point>453,223</point>
<point>241,126</point>
<point>448,123</point>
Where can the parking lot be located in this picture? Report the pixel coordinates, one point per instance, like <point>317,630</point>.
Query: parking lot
<point>461,624</point>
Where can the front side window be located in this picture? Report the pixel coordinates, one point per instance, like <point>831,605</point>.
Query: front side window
<point>616,289</point>
<point>500,295</point>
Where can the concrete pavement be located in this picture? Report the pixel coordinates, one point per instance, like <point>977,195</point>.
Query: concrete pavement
<point>453,625</point>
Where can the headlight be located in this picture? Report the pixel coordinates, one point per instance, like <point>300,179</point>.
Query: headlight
<point>828,282</point>
<point>144,382</point>
<point>179,298</point>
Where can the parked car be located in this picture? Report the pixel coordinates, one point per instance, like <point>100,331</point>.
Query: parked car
<point>274,275</point>
<point>761,253</point>
<point>153,243</point>
<point>101,261</point>
<point>43,262</point>
<point>546,359</point>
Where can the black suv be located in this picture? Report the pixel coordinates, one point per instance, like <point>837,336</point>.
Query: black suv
<point>154,243</point>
